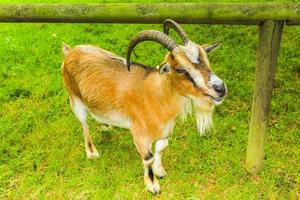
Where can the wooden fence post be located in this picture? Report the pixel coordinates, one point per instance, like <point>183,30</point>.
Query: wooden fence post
<point>267,53</point>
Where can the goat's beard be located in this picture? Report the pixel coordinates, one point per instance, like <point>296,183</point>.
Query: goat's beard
<point>203,111</point>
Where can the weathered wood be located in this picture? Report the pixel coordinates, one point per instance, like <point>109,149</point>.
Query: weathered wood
<point>209,13</point>
<point>267,53</point>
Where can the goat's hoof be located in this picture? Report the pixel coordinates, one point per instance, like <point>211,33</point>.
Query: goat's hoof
<point>153,187</point>
<point>159,171</point>
<point>92,155</point>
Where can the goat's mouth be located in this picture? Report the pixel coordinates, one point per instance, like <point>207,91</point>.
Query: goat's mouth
<point>215,100</point>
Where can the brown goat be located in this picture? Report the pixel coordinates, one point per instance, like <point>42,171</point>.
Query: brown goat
<point>145,100</point>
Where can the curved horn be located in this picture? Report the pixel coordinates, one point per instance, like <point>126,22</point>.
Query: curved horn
<point>168,23</point>
<point>150,35</point>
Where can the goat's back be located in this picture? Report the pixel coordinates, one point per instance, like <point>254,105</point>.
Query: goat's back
<point>99,78</point>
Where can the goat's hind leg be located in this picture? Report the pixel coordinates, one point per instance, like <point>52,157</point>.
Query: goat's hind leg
<point>80,111</point>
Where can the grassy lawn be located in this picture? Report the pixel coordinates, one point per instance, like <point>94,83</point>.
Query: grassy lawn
<point>42,152</point>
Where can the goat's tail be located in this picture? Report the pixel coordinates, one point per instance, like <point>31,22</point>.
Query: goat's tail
<point>66,48</point>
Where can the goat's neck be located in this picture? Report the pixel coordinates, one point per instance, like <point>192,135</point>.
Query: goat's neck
<point>160,89</point>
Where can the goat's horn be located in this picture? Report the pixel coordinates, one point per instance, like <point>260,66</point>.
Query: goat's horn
<point>150,35</point>
<point>168,23</point>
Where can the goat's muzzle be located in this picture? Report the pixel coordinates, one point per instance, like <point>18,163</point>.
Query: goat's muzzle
<point>219,88</point>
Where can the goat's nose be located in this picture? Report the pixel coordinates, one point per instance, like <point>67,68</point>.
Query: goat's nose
<point>220,89</point>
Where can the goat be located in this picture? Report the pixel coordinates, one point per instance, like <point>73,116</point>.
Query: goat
<point>143,99</point>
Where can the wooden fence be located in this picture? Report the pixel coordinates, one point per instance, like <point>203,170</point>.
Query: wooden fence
<point>270,17</point>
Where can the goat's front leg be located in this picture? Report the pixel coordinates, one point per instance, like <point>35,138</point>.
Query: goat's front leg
<point>144,148</point>
<point>157,167</point>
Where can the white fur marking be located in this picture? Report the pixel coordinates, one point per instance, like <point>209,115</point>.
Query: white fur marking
<point>192,52</point>
<point>157,167</point>
<point>152,186</point>
<point>161,145</point>
<point>215,80</point>
<point>79,109</point>
<point>148,163</point>
<point>203,114</point>
<point>113,118</point>
<point>204,121</point>
<point>197,77</point>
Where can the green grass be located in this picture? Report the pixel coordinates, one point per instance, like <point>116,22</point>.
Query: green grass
<point>42,152</point>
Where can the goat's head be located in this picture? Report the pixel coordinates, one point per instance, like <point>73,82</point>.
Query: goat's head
<point>188,69</point>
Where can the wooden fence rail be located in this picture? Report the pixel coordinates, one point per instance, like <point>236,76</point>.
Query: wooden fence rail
<point>193,13</point>
<point>270,17</point>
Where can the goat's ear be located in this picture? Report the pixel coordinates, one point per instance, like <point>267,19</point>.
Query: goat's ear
<point>208,48</point>
<point>164,68</point>
<point>66,48</point>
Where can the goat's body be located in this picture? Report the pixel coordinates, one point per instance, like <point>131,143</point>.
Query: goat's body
<point>142,100</point>
<point>145,100</point>
<point>129,99</point>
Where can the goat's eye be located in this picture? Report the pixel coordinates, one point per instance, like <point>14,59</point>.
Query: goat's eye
<point>180,70</point>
